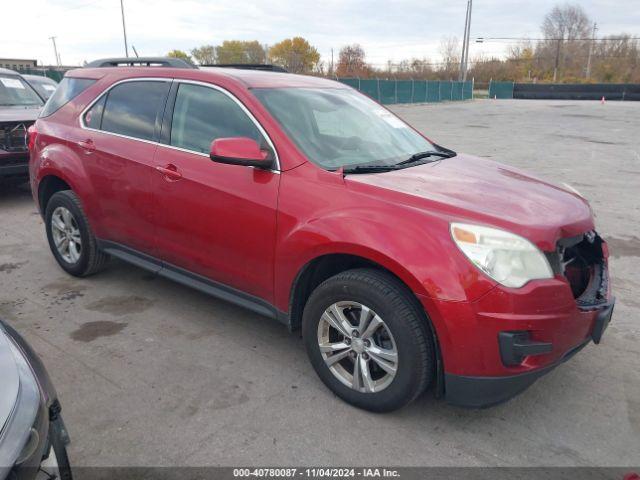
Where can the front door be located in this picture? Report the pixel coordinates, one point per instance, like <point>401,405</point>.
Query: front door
<point>215,220</point>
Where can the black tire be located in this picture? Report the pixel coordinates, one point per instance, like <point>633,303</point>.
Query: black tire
<point>58,446</point>
<point>91,259</point>
<point>403,316</point>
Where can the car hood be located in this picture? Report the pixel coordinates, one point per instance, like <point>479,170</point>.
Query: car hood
<point>476,190</point>
<point>19,114</point>
<point>9,379</point>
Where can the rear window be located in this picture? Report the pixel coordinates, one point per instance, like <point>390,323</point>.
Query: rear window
<point>67,90</point>
<point>44,88</point>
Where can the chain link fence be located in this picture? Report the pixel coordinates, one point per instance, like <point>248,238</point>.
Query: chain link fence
<point>411,91</point>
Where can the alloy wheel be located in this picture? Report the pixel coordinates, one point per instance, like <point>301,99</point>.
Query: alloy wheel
<point>357,347</point>
<point>66,235</point>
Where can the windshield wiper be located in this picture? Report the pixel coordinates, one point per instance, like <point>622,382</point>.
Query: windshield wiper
<point>421,155</point>
<point>370,169</point>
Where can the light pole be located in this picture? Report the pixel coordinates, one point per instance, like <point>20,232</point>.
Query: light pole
<point>124,30</point>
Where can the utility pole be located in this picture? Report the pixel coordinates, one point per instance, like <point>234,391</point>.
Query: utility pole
<point>593,41</point>
<point>124,30</point>
<point>465,44</point>
<point>466,58</point>
<point>55,51</point>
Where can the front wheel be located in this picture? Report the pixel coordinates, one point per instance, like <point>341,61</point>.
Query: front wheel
<point>368,340</point>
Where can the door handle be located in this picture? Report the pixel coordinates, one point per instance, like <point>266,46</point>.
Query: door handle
<point>170,172</point>
<point>87,145</point>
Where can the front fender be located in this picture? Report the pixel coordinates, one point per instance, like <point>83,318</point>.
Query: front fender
<point>416,248</point>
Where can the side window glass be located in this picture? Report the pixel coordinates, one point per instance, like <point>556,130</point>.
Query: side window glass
<point>132,108</point>
<point>202,114</point>
<point>93,117</point>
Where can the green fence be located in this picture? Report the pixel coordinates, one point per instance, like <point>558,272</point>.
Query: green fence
<point>411,91</point>
<point>54,73</point>
<point>500,89</point>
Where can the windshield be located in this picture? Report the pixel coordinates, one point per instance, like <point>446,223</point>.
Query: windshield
<point>341,128</point>
<point>14,91</point>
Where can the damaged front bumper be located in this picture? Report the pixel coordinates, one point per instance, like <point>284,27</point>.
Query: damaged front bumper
<point>515,336</point>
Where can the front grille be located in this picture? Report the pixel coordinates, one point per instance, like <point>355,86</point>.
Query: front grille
<point>13,136</point>
<point>581,260</point>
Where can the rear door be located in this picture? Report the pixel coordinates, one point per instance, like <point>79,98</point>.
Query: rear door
<point>216,220</point>
<point>121,130</point>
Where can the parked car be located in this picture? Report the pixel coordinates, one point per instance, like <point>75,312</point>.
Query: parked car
<point>404,264</point>
<point>33,437</point>
<point>19,108</point>
<point>45,86</point>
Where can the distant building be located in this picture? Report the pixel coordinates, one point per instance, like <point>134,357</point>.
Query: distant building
<point>17,63</point>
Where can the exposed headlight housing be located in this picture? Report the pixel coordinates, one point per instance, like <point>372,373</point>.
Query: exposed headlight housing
<point>507,258</point>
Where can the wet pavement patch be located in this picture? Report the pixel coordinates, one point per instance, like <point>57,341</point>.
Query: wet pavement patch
<point>624,247</point>
<point>65,288</point>
<point>10,267</point>
<point>71,295</point>
<point>120,305</point>
<point>89,331</point>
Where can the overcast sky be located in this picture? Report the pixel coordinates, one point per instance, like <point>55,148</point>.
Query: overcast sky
<point>89,29</point>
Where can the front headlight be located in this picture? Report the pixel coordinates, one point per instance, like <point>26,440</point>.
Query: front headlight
<point>505,257</point>
<point>17,441</point>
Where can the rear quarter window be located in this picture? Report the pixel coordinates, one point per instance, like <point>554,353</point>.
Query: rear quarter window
<point>67,90</point>
<point>93,117</point>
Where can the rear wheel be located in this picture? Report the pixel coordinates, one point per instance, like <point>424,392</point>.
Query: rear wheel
<point>70,237</point>
<point>368,340</point>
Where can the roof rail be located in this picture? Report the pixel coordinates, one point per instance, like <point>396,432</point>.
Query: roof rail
<point>141,62</point>
<point>248,66</point>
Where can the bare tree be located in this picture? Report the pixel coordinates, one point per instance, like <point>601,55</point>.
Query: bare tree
<point>566,22</point>
<point>449,51</point>
<point>565,29</point>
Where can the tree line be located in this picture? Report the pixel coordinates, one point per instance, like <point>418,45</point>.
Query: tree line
<point>569,51</point>
<point>295,54</point>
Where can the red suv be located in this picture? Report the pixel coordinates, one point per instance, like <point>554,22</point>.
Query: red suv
<point>404,264</point>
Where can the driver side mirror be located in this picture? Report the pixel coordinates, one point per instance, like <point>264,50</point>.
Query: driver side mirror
<point>240,151</point>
